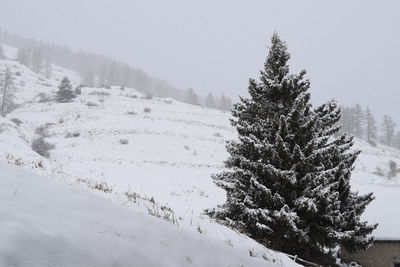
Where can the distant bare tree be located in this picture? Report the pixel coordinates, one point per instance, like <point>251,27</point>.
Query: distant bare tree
<point>358,120</point>
<point>393,169</point>
<point>2,52</point>
<point>388,130</point>
<point>210,101</point>
<point>224,103</point>
<point>7,91</point>
<point>370,127</point>
<point>88,77</point>
<point>23,56</point>
<point>47,68</point>
<point>191,97</point>
<point>37,61</point>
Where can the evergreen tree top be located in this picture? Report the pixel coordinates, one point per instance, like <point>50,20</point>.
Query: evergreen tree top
<point>65,84</point>
<point>276,63</point>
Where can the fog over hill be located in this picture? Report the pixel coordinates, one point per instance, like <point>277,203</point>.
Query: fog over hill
<point>350,49</point>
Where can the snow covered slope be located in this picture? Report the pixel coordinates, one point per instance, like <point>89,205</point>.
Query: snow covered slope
<point>44,223</point>
<point>163,170</point>
<point>384,208</point>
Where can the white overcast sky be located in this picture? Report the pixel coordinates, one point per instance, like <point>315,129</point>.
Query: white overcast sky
<point>351,49</point>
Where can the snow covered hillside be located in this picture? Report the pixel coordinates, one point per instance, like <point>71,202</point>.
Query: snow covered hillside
<point>149,155</point>
<point>44,223</point>
<point>386,190</point>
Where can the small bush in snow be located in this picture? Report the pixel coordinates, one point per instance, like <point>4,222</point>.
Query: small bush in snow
<point>78,90</point>
<point>99,93</point>
<point>91,104</point>
<point>42,131</point>
<point>40,146</point>
<point>131,113</point>
<point>217,135</point>
<point>74,134</point>
<point>123,141</point>
<point>101,186</point>
<point>16,121</point>
<point>147,97</point>
<point>372,143</point>
<point>379,171</point>
<point>43,98</point>
<point>162,212</point>
<point>147,110</point>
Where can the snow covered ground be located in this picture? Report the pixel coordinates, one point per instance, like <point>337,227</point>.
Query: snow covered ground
<point>384,208</point>
<point>45,223</point>
<point>165,168</point>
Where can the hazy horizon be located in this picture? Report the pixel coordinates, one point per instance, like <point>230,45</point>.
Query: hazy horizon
<point>348,48</point>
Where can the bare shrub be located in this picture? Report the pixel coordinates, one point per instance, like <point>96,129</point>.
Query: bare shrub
<point>78,90</point>
<point>379,171</point>
<point>217,135</point>
<point>372,143</point>
<point>147,110</point>
<point>40,146</point>
<point>43,98</point>
<point>16,121</point>
<point>160,211</point>
<point>99,93</point>
<point>123,141</point>
<point>131,113</point>
<point>74,134</point>
<point>147,97</point>
<point>42,131</point>
<point>91,104</point>
<point>101,186</point>
<point>163,212</point>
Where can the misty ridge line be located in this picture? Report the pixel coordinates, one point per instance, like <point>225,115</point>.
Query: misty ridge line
<point>103,71</point>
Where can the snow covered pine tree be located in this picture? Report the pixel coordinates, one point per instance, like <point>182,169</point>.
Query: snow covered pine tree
<point>287,177</point>
<point>65,93</point>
